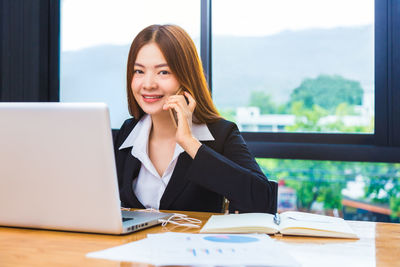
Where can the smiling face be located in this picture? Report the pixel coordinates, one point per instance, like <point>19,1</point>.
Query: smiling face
<point>153,81</point>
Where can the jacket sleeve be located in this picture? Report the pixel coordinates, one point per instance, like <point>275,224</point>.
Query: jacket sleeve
<point>234,173</point>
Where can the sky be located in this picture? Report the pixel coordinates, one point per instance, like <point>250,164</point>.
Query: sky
<point>86,23</point>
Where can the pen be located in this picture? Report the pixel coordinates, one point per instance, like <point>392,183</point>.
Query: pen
<point>277,219</point>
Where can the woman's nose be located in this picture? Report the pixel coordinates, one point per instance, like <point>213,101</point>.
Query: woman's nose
<point>149,81</point>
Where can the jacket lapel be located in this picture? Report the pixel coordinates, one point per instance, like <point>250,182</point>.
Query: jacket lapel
<point>131,171</point>
<point>177,182</point>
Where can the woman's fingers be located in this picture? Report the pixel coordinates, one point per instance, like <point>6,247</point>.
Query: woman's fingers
<point>184,106</point>
<point>183,122</point>
<point>192,102</point>
<point>184,111</point>
<point>181,101</point>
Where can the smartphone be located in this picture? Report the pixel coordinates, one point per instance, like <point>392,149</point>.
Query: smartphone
<point>172,112</point>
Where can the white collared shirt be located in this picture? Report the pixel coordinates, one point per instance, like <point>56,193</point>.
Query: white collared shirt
<point>149,185</point>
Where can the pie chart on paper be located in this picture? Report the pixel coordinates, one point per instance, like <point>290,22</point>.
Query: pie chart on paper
<point>231,239</point>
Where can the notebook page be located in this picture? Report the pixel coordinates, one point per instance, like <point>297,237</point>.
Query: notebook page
<point>241,223</point>
<point>301,223</point>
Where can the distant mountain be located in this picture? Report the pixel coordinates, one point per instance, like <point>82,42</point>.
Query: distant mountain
<point>275,64</point>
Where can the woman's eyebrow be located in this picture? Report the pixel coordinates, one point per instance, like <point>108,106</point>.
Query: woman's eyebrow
<point>156,66</point>
<point>161,65</point>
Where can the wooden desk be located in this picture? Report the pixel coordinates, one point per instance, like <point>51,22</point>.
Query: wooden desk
<point>379,245</point>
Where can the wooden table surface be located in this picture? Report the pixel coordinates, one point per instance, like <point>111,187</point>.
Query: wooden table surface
<point>379,245</point>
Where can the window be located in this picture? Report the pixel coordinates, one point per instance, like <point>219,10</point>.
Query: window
<point>295,66</point>
<point>95,40</point>
<point>342,159</point>
<point>38,81</point>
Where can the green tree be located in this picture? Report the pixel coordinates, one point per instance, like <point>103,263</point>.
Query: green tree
<point>323,181</point>
<point>306,119</point>
<point>383,186</point>
<point>314,181</point>
<point>266,104</point>
<point>327,92</point>
<point>263,101</point>
<point>342,110</point>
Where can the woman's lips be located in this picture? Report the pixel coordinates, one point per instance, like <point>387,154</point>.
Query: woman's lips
<point>151,98</point>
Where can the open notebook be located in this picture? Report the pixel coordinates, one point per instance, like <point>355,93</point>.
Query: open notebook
<point>286,223</point>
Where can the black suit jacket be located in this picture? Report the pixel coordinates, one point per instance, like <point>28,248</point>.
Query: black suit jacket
<point>221,168</point>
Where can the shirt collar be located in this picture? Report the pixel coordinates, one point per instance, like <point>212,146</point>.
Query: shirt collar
<point>140,133</point>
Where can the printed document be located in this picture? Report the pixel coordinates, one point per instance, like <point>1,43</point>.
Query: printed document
<point>201,249</point>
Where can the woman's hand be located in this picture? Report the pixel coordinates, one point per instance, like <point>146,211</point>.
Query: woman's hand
<point>184,112</point>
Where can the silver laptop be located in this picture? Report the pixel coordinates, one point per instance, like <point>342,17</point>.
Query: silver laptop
<point>57,170</point>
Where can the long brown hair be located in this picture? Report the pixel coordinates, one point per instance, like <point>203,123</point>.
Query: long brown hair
<point>182,58</point>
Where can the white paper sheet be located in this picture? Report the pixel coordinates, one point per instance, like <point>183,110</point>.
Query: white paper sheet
<point>138,251</point>
<point>341,252</point>
<point>201,249</point>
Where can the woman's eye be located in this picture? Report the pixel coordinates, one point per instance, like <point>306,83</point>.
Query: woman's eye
<point>164,72</point>
<point>137,71</point>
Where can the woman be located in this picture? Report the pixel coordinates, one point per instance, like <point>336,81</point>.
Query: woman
<point>192,165</point>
